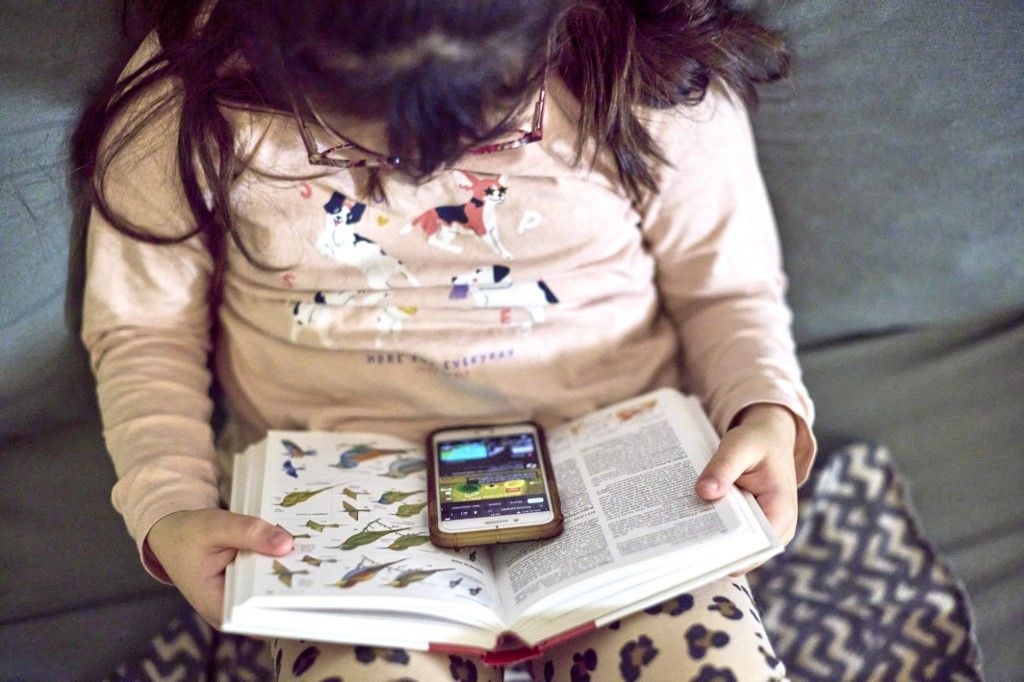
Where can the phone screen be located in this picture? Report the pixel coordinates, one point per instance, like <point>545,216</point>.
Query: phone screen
<point>488,476</point>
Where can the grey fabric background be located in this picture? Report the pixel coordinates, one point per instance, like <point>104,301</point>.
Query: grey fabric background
<point>894,158</point>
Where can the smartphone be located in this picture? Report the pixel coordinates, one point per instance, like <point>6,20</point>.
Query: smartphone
<point>490,484</point>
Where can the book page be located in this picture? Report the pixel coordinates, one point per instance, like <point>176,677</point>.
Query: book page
<point>626,477</point>
<point>355,505</point>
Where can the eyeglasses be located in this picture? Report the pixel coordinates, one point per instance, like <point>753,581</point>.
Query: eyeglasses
<point>330,157</point>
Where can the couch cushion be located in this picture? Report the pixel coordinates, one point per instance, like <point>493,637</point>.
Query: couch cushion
<point>64,547</point>
<point>895,159</point>
<point>43,84</point>
<point>947,402</point>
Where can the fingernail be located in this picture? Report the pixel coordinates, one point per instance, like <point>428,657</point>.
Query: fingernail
<point>278,538</point>
<point>709,485</point>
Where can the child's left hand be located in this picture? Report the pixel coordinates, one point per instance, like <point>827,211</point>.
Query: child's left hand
<point>757,455</point>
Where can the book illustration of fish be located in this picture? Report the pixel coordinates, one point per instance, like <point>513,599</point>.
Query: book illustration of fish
<point>410,509</point>
<point>353,494</point>
<point>294,536</point>
<point>284,574</point>
<point>392,496</point>
<point>454,583</point>
<point>367,536</point>
<point>357,453</point>
<point>313,561</point>
<point>291,469</point>
<point>362,573</point>
<point>351,510</point>
<point>319,527</point>
<point>404,466</point>
<point>292,449</point>
<point>475,590</point>
<point>403,542</point>
<point>414,575</point>
<point>300,496</point>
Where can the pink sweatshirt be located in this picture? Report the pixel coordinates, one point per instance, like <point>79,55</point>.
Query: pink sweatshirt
<point>513,287</point>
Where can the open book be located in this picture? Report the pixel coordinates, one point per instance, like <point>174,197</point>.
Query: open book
<point>363,571</point>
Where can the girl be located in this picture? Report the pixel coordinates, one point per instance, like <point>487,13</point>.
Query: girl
<point>307,203</point>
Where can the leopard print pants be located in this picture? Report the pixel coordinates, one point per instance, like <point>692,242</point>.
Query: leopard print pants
<point>713,633</point>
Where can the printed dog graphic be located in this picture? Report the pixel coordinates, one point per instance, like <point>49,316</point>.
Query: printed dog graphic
<point>491,286</point>
<point>478,216</point>
<point>318,314</point>
<point>340,241</point>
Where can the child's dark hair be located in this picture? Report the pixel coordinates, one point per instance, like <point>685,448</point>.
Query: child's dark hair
<point>434,71</point>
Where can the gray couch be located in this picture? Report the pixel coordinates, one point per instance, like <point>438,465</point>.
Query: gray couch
<point>895,158</point>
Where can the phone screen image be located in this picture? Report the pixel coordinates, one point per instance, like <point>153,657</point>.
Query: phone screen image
<point>490,476</point>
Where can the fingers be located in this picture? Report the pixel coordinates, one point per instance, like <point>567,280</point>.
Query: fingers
<point>227,530</point>
<point>744,458</point>
<point>780,510</point>
<point>731,461</point>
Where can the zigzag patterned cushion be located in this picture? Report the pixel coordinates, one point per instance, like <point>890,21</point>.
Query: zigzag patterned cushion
<point>859,595</point>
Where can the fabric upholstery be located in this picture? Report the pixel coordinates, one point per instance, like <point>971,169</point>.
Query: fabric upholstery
<point>895,160</point>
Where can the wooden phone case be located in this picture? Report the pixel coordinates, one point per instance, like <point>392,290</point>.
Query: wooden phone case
<point>500,535</point>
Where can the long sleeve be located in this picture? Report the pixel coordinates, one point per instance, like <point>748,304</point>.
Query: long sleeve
<point>719,268</point>
<point>146,327</point>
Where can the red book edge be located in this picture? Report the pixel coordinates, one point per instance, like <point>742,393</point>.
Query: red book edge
<point>519,651</point>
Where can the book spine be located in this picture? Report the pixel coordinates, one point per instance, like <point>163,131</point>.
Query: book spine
<point>510,656</point>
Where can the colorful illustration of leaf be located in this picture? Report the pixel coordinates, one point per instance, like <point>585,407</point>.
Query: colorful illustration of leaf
<point>365,537</point>
<point>407,510</point>
<point>406,541</point>
<point>392,496</point>
<point>284,574</point>
<point>351,510</point>
<point>300,496</point>
<point>319,527</point>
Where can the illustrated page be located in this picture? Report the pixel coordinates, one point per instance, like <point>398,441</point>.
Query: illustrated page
<point>355,505</point>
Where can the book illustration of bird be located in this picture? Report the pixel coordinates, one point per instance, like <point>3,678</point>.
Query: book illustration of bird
<point>291,469</point>
<point>351,510</point>
<point>472,555</point>
<point>284,574</point>
<point>366,536</point>
<point>363,573</point>
<point>455,583</point>
<point>403,542</point>
<point>403,466</point>
<point>300,496</point>
<point>392,496</point>
<point>292,449</point>
<point>414,575</point>
<point>313,561</point>
<point>353,494</point>
<point>357,453</point>
<point>319,527</point>
<point>475,590</point>
<point>410,509</point>
<point>294,536</point>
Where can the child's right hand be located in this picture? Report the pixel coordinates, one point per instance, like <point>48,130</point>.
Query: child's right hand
<point>195,547</point>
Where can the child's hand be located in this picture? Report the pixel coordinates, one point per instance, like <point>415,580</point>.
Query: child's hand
<point>757,455</point>
<point>195,547</point>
